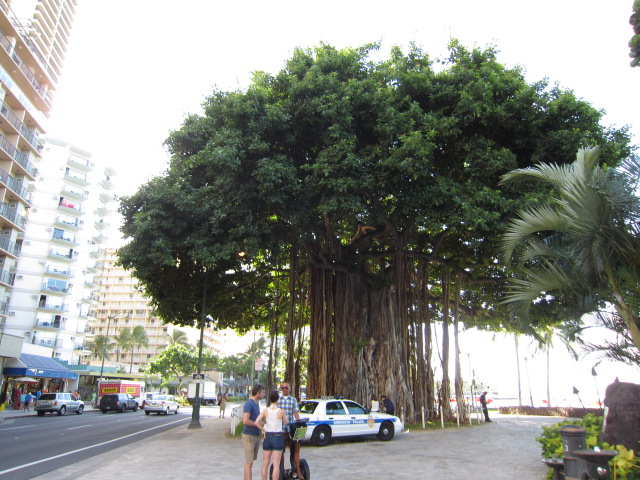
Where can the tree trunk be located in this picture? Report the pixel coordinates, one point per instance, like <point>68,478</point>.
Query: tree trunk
<point>515,336</point>
<point>460,402</point>
<point>445,388</point>
<point>364,355</point>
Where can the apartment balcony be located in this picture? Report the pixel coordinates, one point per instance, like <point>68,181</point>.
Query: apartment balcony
<point>63,289</point>
<point>69,222</point>
<point>91,299</point>
<point>102,225</point>
<point>80,349</point>
<point>90,285</point>
<point>76,178</point>
<point>70,208</point>
<point>80,163</point>
<point>53,307</point>
<point>99,237</point>
<point>95,268</point>
<point>64,238</point>
<point>50,325</point>
<point>4,308</point>
<point>10,214</point>
<point>15,186</point>
<point>8,247</point>
<point>58,255</point>
<point>103,211</point>
<point>27,81</point>
<point>47,342</point>
<point>7,278</point>
<point>57,271</point>
<point>76,193</point>
<point>14,125</point>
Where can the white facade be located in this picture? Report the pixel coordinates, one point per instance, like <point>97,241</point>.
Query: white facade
<point>54,289</point>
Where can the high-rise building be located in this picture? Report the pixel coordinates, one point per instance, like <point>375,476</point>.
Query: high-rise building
<point>122,306</point>
<point>33,38</point>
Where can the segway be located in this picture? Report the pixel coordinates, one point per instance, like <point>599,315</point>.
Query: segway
<point>298,435</point>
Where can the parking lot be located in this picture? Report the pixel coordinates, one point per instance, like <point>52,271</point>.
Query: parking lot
<point>504,449</point>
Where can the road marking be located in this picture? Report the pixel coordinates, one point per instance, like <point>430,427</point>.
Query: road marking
<point>14,428</point>
<point>81,426</point>
<point>20,467</point>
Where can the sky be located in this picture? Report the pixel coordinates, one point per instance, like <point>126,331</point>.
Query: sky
<point>135,68</point>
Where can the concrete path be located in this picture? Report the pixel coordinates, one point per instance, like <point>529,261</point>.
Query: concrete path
<point>502,450</point>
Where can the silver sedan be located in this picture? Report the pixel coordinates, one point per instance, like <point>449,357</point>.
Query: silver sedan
<point>162,404</point>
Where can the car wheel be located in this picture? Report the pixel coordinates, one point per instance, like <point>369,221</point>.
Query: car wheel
<point>62,410</point>
<point>177,408</point>
<point>166,412</point>
<point>103,410</point>
<point>386,431</point>
<point>80,410</point>
<point>122,409</point>
<point>321,436</point>
<point>304,469</point>
<point>146,412</point>
<point>41,414</point>
<point>135,407</point>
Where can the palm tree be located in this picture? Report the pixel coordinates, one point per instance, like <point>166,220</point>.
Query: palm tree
<point>178,337</point>
<point>583,246</point>
<point>123,340</point>
<point>139,339</point>
<point>101,345</point>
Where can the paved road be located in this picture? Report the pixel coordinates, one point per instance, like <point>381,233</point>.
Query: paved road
<point>31,446</point>
<point>502,450</point>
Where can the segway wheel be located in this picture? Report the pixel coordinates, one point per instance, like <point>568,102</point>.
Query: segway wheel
<point>304,467</point>
<point>281,477</point>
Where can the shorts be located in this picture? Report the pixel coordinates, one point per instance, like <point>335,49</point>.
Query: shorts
<point>251,445</point>
<point>273,441</point>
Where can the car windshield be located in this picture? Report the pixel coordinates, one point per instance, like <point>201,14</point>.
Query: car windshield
<point>47,396</point>
<point>308,407</point>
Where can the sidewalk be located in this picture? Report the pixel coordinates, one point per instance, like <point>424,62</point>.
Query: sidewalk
<point>502,450</point>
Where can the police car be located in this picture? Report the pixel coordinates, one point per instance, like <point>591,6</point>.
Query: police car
<point>337,417</point>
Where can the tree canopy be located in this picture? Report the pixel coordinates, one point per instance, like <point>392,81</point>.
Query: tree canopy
<point>373,185</point>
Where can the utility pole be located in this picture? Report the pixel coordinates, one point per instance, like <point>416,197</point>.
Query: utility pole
<point>195,414</point>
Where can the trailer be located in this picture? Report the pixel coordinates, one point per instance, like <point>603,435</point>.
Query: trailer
<point>132,387</point>
<point>208,392</point>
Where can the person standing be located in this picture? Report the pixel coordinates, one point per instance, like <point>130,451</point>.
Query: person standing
<point>388,405</point>
<point>290,406</point>
<point>223,405</point>
<point>251,431</point>
<point>27,400</point>
<point>375,404</point>
<point>271,421</point>
<point>485,410</point>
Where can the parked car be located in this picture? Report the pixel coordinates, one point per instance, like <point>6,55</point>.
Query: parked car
<point>146,397</point>
<point>59,403</point>
<point>337,417</point>
<point>162,404</point>
<point>118,402</point>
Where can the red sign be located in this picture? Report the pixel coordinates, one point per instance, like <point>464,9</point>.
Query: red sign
<point>130,388</point>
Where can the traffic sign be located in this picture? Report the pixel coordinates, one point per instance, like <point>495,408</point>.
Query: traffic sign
<point>198,376</point>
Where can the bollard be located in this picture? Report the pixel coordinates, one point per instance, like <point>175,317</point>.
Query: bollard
<point>573,438</point>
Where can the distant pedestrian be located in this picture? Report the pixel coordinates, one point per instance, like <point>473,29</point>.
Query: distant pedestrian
<point>251,431</point>
<point>375,404</point>
<point>389,408</point>
<point>27,401</point>
<point>223,405</point>
<point>485,410</point>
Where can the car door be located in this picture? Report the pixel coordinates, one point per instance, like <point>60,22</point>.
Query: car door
<point>338,418</point>
<point>359,421</point>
